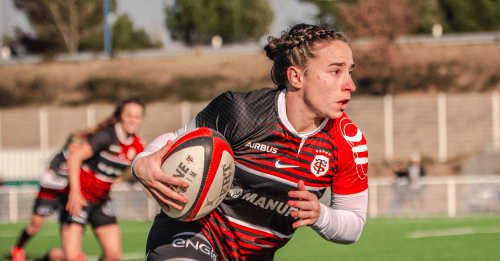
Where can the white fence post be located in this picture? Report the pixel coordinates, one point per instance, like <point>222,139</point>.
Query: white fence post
<point>442,132</point>
<point>13,210</point>
<point>452,197</point>
<point>44,128</point>
<point>0,129</point>
<point>495,113</point>
<point>91,116</point>
<point>388,127</point>
<point>372,197</point>
<point>185,112</point>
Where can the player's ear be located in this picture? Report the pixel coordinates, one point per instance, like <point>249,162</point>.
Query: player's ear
<point>295,76</point>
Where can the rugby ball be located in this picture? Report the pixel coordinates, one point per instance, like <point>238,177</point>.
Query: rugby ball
<point>204,159</point>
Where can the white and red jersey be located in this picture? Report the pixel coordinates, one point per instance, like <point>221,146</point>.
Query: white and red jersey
<point>113,154</point>
<point>254,220</point>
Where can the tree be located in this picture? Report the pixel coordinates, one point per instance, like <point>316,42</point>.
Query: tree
<point>197,21</point>
<point>466,15</point>
<point>382,21</point>
<point>65,22</point>
<point>328,12</point>
<point>125,37</point>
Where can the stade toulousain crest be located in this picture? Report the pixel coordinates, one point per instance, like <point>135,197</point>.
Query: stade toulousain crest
<point>320,163</point>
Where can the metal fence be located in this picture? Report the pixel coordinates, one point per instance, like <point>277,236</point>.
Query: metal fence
<point>437,196</point>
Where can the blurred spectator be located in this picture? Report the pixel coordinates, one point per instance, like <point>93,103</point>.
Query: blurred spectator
<point>415,171</point>
<point>399,187</point>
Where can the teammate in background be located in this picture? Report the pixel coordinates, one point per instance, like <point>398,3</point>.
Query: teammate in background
<point>52,182</point>
<point>92,168</point>
<point>290,144</point>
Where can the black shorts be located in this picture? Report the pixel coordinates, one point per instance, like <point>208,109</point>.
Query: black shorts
<point>46,207</point>
<point>97,214</point>
<point>174,240</point>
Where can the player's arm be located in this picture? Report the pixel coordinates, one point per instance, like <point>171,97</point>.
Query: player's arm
<point>344,220</point>
<point>75,161</point>
<point>146,167</point>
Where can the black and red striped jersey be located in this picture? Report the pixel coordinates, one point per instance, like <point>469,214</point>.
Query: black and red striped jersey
<point>254,220</point>
<point>113,154</point>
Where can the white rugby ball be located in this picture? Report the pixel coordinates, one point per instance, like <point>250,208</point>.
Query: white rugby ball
<point>204,159</point>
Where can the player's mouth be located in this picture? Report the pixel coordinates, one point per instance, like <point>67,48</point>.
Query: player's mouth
<point>343,104</point>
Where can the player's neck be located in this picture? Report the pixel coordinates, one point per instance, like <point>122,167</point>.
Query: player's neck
<point>299,115</point>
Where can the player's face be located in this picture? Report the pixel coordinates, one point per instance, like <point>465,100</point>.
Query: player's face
<point>132,115</point>
<point>327,80</point>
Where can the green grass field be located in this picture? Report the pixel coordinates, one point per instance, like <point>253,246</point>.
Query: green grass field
<point>438,238</point>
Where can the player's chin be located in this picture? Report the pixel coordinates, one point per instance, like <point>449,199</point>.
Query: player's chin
<point>131,129</point>
<point>336,114</point>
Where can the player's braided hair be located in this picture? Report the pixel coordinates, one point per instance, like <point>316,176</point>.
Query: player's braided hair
<point>296,47</point>
<point>108,122</point>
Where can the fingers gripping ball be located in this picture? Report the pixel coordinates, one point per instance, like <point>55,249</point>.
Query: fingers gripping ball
<point>204,159</point>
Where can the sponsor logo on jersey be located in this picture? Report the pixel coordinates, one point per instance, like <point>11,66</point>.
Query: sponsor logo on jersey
<point>262,147</point>
<point>357,142</point>
<point>269,203</point>
<point>321,163</point>
<point>281,165</point>
<point>194,242</point>
<point>234,193</point>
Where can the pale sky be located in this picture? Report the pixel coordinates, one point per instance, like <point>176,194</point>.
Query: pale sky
<point>149,14</point>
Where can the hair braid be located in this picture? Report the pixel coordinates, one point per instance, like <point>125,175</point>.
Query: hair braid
<point>296,47</point>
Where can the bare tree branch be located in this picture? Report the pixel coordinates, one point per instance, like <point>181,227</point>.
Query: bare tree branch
<point>63,27</point>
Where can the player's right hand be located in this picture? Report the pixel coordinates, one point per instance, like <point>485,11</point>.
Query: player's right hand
<point>75,203</point>
<point>148,171</point>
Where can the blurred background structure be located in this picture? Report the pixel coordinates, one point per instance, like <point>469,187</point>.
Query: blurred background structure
<point>427,75</point>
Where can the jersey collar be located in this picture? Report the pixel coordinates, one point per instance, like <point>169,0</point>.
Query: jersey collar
<point>122,136</point>
<point>284,118</point>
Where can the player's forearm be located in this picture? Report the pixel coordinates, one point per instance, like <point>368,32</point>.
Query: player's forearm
<point>74,165</point>
<point>159,142</point>
<point>343,222</point>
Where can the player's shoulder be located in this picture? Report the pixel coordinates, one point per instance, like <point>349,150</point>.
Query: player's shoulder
<point>346,128</point>
<point>138,141</point>
<point>253,98</point>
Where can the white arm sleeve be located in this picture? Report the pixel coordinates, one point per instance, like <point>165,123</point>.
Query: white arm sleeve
<point>344,220</point>
<point>162,140</point>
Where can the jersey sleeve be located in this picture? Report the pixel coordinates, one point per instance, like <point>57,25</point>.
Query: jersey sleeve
<point>232,114</point>
<point>352,162</point>
<point>100,141</point>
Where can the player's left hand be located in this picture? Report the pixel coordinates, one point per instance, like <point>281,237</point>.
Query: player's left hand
<point>308,205</point>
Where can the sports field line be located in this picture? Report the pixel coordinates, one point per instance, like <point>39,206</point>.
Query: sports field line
<point>453,232</point>
<point>418,220</point>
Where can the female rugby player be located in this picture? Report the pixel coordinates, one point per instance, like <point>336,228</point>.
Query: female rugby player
<point>290,144</point>
<point>92,168</point>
